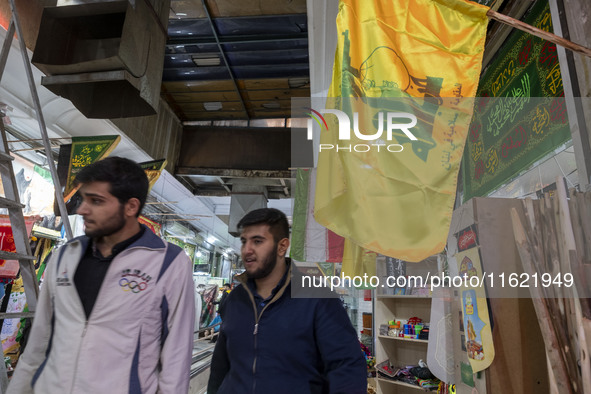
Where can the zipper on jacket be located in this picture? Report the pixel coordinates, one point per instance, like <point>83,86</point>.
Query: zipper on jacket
<point>78,356</point>
<point>257,318</point>
<point>254,363</point>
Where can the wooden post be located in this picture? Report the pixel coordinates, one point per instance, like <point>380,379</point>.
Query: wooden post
<point>558,367</point>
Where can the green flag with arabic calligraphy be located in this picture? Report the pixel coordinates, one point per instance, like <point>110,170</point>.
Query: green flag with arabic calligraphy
<point>520,115</point>
<point>85,151</point>
<point>153,170</point>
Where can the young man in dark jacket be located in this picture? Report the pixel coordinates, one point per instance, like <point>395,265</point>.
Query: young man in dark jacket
<point>270,342</point>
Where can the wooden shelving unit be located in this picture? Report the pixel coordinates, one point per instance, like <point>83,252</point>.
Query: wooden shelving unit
<point>400,296</point>
<point>399,350</point>
<point>403,339</point>
<point>402,385</point>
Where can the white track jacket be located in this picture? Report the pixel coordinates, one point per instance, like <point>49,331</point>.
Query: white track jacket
<point>138,338</point>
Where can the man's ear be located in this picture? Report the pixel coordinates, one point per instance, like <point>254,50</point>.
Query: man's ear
<point>282,247</point>
<point>132,207</point>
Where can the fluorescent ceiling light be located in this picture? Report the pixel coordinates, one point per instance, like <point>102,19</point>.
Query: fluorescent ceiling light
<point>272,105</point>
<point>206,60</point>
<point>212,106</point>
<point>298,82</point>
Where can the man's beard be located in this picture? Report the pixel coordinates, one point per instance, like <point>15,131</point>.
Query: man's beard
<point>269,264</point>
<point>115,224</point>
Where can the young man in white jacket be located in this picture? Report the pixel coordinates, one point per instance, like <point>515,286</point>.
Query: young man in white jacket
<point>116,309</point>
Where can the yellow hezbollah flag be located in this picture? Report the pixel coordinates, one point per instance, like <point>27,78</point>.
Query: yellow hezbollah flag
<point>392,190</point>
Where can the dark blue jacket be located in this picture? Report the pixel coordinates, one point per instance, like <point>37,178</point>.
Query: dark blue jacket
<point>300,345</point>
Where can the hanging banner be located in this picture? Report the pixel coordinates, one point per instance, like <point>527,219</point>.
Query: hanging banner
<point>310,241</point>
<point>476,322</point>
<point>393,192</point>
<point>326,268</point>
<point>85,151</point>
<point>440,352</point>
<point>521,115</point>
<point>189,248</point>
<point>153,170</point>
<point>467,238</point>
<point>9,268</point>
<point>358,261</point>
<point>35,187</point>
<point>152,225</point>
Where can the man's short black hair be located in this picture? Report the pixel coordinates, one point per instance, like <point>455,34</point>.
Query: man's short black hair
<point>277,221</point>
<point>229,286</point>
<point>125,177</point>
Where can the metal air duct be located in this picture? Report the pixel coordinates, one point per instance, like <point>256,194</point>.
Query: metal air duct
<point>245,198</point>
<point>104,56</point>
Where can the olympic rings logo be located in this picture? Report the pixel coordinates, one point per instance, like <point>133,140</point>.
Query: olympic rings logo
<point>132,285</point>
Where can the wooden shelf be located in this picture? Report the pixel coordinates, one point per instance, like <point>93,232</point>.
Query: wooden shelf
<point>401,307</point>
<point>403,339</point>
<point>414,297</point>
<point>399,383</point>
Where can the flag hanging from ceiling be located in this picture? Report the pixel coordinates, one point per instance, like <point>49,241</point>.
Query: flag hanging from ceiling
<point>358,261</point>
<point>422,57</point>
<point>153,170</point>
<point>310,241</point>
<point>152,225</point>
<point>85,151</point>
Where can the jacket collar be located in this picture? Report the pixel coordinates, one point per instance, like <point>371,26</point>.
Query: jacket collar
<point>147,240</point>
<point>243,278</point>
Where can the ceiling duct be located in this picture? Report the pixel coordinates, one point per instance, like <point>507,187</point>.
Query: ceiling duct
<point>245,198</point>
<point>104,56</point>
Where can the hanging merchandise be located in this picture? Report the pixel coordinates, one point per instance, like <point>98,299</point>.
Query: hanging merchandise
<point>398,200</point>
<point>10,328</point>
<point>153,170</point>
<point>152,225</point>
<point>521,114</point>
<point>326,268</point>
<point>82,152</point>
<point>467,374</point>
<point>476,321</point>
<point>358,261</point>
<point>35,187</point>
<point>187,247</point>
<point>208,312</point>
<point>440,352</point>
<point>43,251</point>
<point>9,268</point>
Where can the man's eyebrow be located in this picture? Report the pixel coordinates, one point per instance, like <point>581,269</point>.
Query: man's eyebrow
<point>92,195</point>
<point>253,237</point>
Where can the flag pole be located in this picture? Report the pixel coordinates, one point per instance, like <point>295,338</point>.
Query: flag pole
<point>553,38</point>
